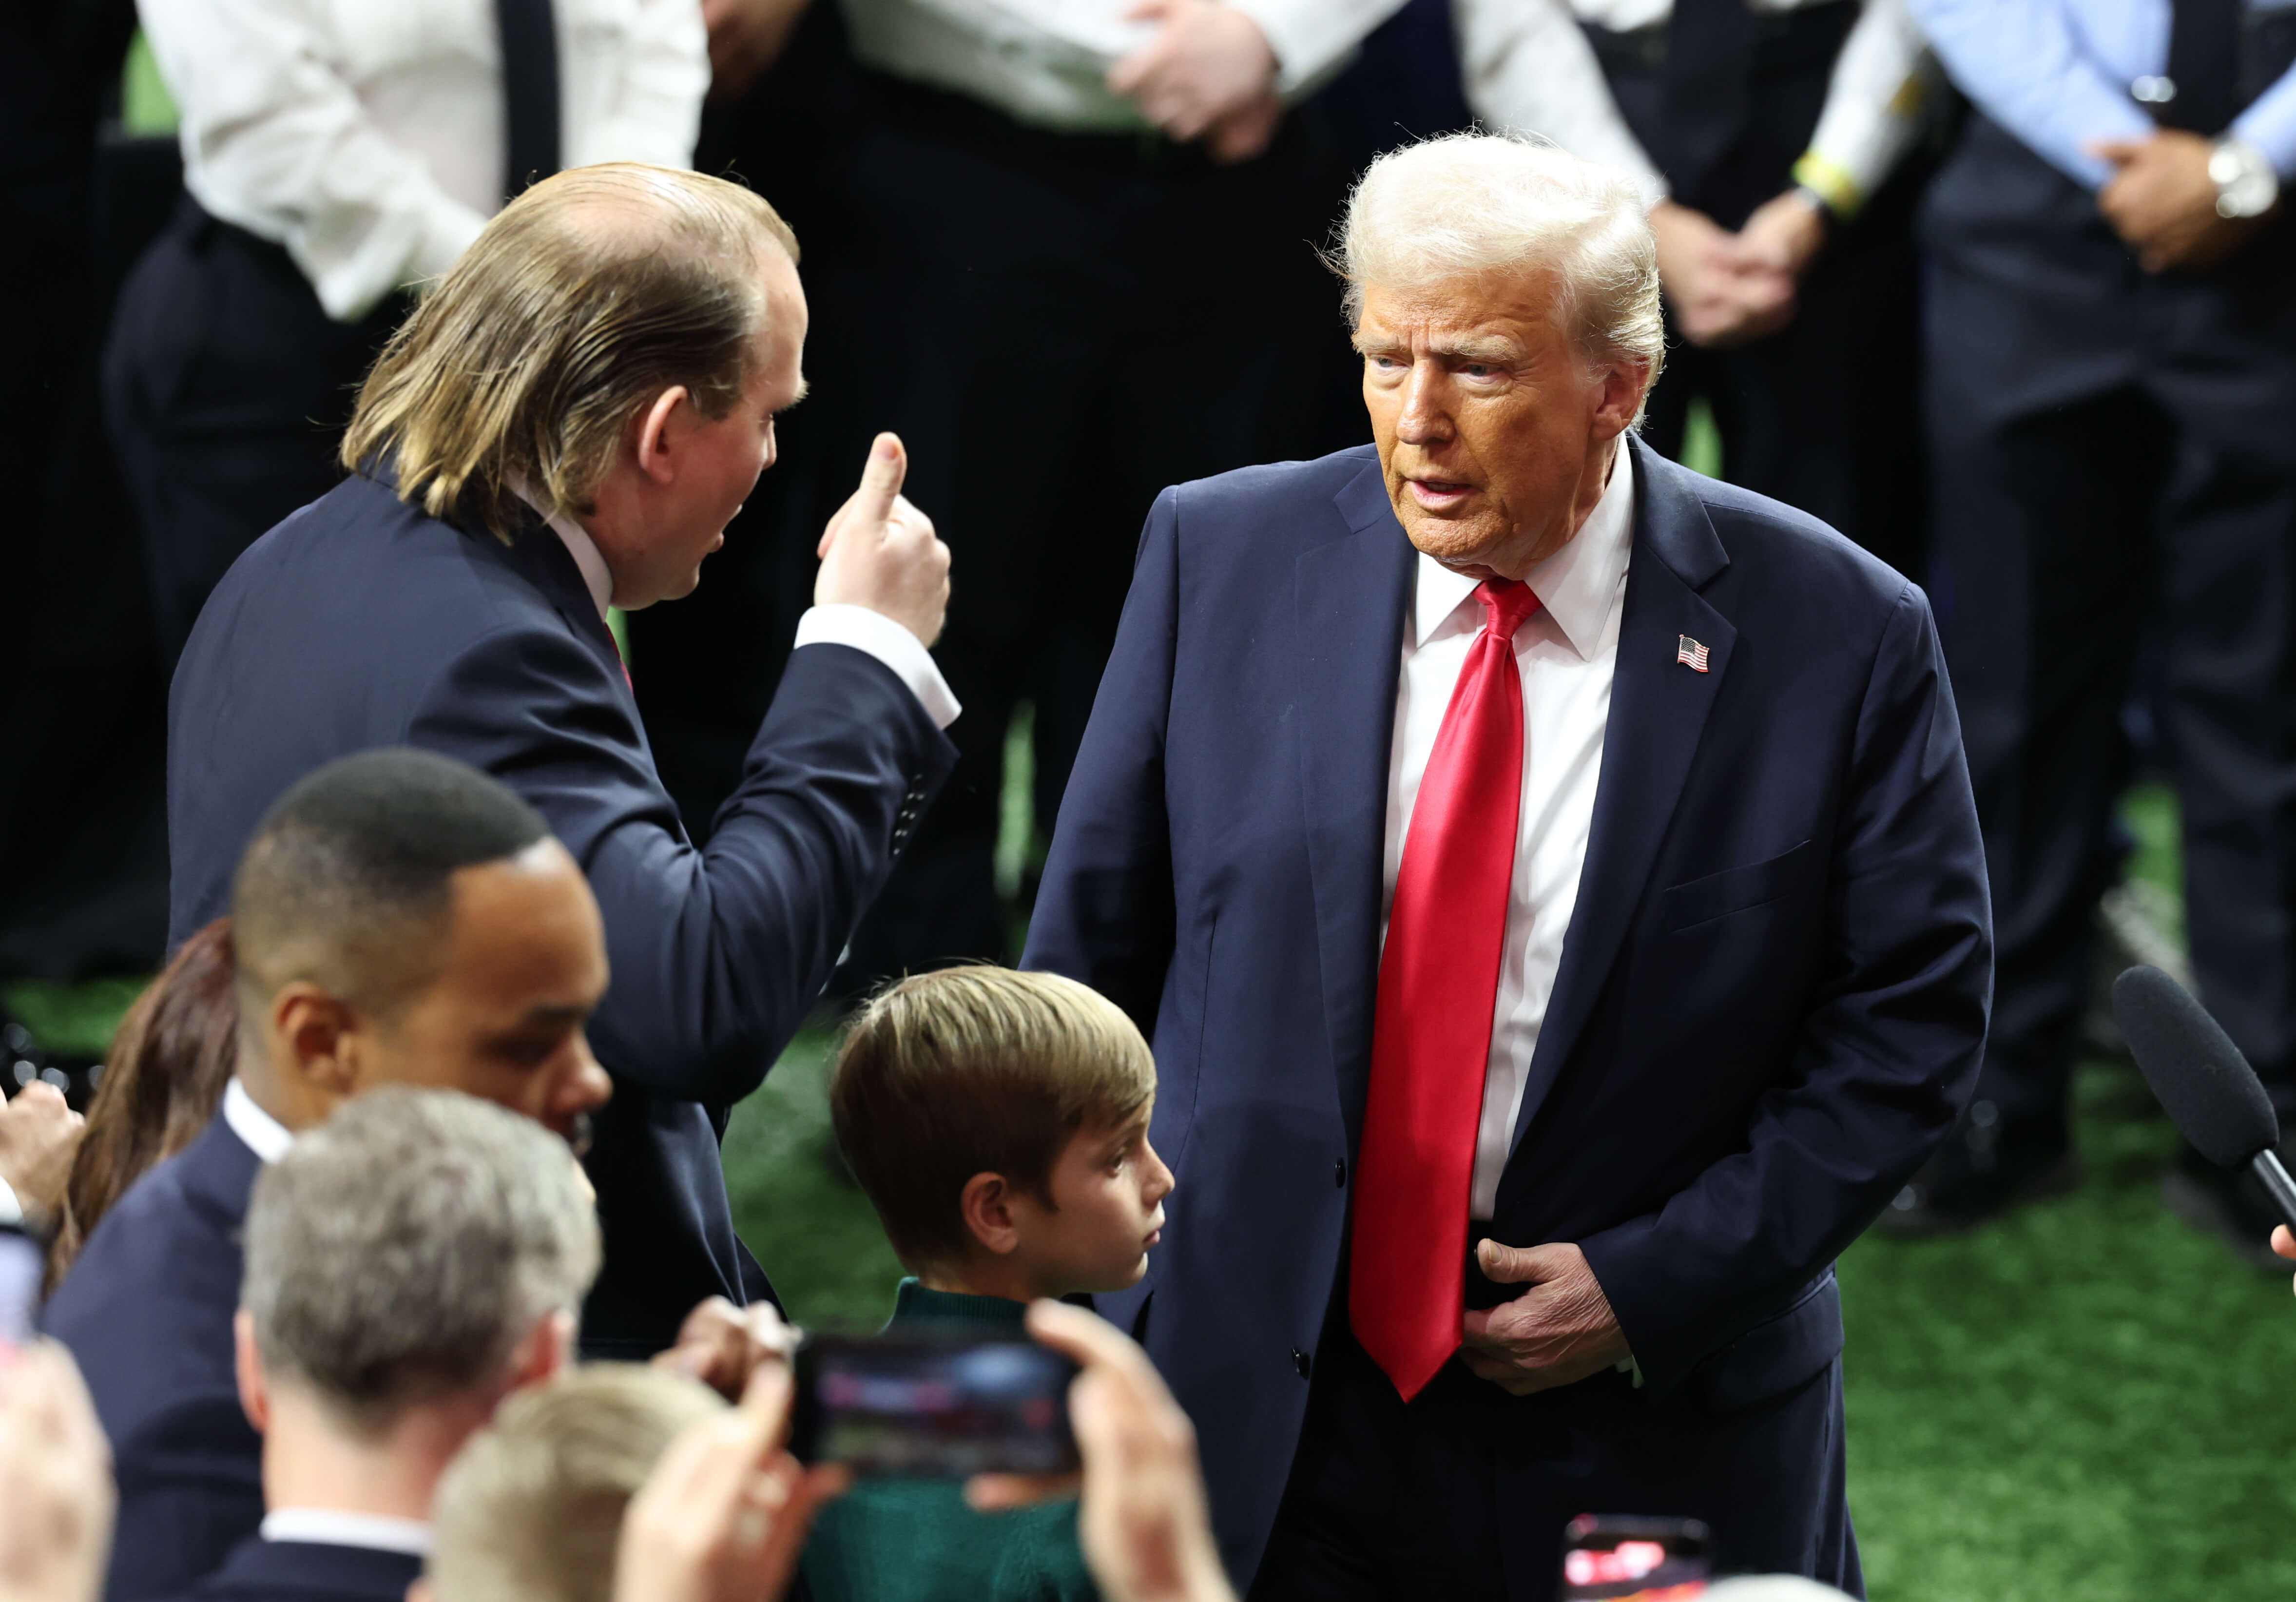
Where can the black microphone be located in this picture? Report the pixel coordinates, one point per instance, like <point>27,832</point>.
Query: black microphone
<point>2213,1096</point>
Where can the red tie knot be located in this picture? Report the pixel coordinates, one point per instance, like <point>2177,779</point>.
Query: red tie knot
<point>1508,601</point>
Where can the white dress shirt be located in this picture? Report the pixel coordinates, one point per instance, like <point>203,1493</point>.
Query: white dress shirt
<point>264,1135</point>
<point>1045,62</point>
<point>333,1527</point>
<point>859,627</point>
<point>1565,653</point>
<point>367,136</point>
<point>1527,67</point>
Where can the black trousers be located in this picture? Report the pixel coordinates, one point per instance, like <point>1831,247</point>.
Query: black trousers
<point>1059,325</point>
<point>1464,1492</point>
<point>1824,413</point>
<point>226,391</point>
<point>2114,454</point>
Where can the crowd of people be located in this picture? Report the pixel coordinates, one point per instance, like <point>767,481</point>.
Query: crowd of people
<point>1513,908</point>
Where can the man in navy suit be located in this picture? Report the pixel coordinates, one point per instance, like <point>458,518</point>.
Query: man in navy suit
<point>571,419</point>
<point>1551,880</point>
<point>410,1263</point>
<point>399,918</point>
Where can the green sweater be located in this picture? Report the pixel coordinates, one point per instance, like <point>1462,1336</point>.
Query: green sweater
<point>897,1540</point>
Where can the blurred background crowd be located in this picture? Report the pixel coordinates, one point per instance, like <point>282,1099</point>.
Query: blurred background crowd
<point>2005,293</point>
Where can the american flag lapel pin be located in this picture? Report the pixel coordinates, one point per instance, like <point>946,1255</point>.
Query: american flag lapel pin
<point>1691,654</point>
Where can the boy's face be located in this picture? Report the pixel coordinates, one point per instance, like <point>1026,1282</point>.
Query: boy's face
<point>1108,1190</point>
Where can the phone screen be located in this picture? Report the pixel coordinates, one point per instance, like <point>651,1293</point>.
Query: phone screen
<point>909,1404</point>
<point>1645,1559</point>
<point>19,1285</point>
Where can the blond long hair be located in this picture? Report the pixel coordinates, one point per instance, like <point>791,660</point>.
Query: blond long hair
<point>583,300</point>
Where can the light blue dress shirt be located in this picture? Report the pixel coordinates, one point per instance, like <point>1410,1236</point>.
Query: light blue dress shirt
<point>2056,73</point>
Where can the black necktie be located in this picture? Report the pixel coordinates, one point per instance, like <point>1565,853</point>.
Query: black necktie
<point>530,71</point>
<point>1710,64</point>
<point>2204,64</point>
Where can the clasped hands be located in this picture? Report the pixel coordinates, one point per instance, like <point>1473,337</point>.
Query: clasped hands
<point>1727,288</point>
<point>2163,204</point>
<point>1557,1333</point>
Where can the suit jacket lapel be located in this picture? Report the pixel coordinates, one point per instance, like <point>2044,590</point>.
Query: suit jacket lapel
<point>1657,711</point>
<point>1351,595</point>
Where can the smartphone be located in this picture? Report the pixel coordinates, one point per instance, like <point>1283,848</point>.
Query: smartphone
<point>921,1404</point>
<point>1646,1560</point>
<point>21,1267</point>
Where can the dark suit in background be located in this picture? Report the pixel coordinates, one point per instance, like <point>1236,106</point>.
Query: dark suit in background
<point>307,1571</point>
<point>2114,454</point>
<point>361,622</point>
<point>146,1313</point>
<point>1769,1005</point>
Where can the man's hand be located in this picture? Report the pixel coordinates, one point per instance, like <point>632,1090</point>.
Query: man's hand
<point>55,1481</point>
<point>881,552</point>
<point>39,1135</point>
<point>746,37</point>
<point>1208,70</point>
<point>1145,1529</point>
<point>723,1346</point>
<point>2283,1242</point>
<point>1558,1332</point>
<point>1784,234</point>
<point>1720,296</point>
<point>2163,204</point>
<point>725,1514</point>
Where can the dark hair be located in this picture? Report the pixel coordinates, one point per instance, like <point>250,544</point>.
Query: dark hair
<point>971,1071</point>
<point>347,879</point>
<point>162,1079</point>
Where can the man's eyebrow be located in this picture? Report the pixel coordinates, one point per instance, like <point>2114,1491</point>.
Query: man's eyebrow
<point>556,1012</point>
<point>1491,349</point>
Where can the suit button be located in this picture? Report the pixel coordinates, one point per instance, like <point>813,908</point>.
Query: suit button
<point>1340,1173</point>
<point>1302,1363</point>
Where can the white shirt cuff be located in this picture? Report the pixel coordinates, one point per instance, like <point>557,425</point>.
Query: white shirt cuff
<point>890,643</point>
<point>12,1211</point>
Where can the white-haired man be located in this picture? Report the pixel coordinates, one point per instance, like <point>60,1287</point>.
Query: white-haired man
<point>1539,1004</point>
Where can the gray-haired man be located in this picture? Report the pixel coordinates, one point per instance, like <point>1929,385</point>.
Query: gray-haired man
<point>409,1264</point>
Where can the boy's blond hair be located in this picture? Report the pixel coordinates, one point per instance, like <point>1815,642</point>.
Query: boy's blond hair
<point>531,1509</point>
<point>977,1069</point>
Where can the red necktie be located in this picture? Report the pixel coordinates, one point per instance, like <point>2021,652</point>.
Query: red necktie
<point>1439,979</point>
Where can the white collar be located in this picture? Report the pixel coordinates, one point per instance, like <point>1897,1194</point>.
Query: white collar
<point>595,577</point>
<point>332,1527</point>
<point>1576,587</point>
<point>266,1136</point>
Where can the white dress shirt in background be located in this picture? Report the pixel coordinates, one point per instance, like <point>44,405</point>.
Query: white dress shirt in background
<point>262,1134</point>
<point>367,136</point>
<point>1527,67</point>
<point>1043,62</point>
<point>1565,653</point>
<point>332,1527</point>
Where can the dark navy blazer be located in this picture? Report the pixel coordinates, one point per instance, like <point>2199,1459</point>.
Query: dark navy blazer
<point>307,1571</point>
<point>359,621</point>
<point>146,1313</point>
<point>1772,993</point>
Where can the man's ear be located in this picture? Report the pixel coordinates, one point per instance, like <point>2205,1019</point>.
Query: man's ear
<point>544,1353</point>
<point>1625,381</point>
<point>312,1044</point>
<point>986,1204</point>
<point>657,434</point>
<point>247,1367</point>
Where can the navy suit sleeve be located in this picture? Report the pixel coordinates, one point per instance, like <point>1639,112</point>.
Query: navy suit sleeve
<point>1104,914</point>
<point>1887,1053</point>
<point>717,953</point>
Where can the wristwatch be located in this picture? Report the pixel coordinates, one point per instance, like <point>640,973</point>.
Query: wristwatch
<point>2246,185</point>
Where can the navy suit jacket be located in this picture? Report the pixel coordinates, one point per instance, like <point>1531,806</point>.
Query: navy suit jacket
<point>307,1571</point>
<point>360,621</point>
<point>1772,993</point>
<point>146,1313</point>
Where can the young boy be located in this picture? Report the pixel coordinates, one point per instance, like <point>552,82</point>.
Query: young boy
<point>999,1123</point>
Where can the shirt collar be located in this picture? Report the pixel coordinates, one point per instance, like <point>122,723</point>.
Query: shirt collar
<point>332,1527</point>
<point>595,576</point>
<point>264,1135</point>
<point>1576,587</point>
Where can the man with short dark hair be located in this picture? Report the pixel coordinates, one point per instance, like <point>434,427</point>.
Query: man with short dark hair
<point>636,330</point>
<point>399,918</point>
<point>410,1263</point>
